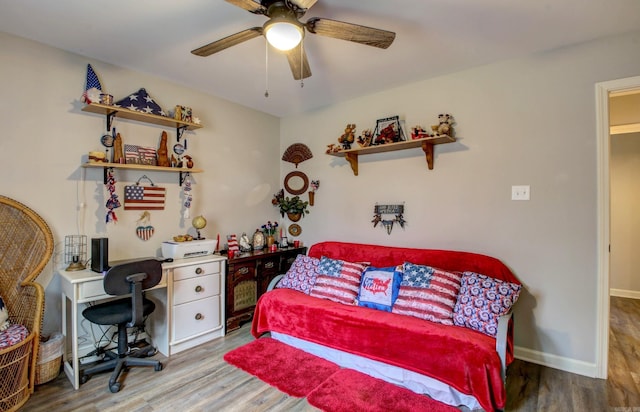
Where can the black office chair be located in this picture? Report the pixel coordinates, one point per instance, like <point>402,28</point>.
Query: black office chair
<point>127,278</point>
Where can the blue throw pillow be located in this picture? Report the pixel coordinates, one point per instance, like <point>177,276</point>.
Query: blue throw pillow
<point>379,287</point>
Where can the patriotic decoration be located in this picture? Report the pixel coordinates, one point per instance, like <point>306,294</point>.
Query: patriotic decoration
<point>140,101</point>
<point>232,242</point>
<point>144,231</point>
<point>93,88</point>
<point>379,287</point>
<point>482,301</point>
<point>302,274</point>
<point>338,280</point>
<point>140,155</point>
<point>188,197</point>
<point>138,197</point>
<point>428,293</point>
<point>112,202</point>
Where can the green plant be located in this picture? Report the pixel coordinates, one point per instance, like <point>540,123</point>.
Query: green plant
<point>290,205</point>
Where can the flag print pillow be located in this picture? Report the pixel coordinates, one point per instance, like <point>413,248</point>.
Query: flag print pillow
<point>427,293</point>
<point>338,280</point>
<point>301,276</point>
<point>482,300</point>
<point>379,287</point>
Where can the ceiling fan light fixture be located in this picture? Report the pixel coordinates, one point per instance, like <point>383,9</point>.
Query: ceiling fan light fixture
<point>283,34</point>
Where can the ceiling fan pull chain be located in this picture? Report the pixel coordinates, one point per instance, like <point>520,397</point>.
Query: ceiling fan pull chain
<point>266,69</point>
<point>301,63</point>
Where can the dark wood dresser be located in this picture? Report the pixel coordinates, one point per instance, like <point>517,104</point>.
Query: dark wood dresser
<point>247,278</point>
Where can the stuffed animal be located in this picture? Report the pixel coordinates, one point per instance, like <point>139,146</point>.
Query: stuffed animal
<point>444,127</point>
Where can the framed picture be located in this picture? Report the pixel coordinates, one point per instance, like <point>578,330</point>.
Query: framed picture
<point>388,130</point>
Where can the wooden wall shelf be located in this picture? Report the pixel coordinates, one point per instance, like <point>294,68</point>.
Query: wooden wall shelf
<point>425,143</point>
<point>112,111</point>
<point>183,172</point>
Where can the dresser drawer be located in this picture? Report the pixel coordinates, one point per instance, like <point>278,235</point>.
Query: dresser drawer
<point>186,272</point>
<point>196,288</point>
<point>194,318</point>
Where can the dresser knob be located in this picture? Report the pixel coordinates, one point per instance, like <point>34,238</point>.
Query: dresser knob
<point>199,289</point>
<point>199,271</point>
<point>199,316</point>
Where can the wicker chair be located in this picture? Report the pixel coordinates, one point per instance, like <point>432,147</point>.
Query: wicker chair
<point>26,245</point>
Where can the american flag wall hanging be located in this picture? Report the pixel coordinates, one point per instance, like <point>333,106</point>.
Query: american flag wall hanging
<point>137,197</point>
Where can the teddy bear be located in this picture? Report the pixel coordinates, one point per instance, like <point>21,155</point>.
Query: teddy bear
<point>348,136</point>
<point>444,124</point>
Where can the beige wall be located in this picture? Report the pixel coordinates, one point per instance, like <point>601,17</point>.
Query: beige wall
<point>46,137</point>
<point>625,214</point>
<point>529,121</point>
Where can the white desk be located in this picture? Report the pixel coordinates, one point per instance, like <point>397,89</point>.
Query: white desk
<point>189,306</point>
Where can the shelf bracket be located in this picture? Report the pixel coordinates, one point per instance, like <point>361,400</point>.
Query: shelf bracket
<point>352,158</point>
<point>110,116</point>
<point>180,131</point>
<point>428,151</point>
<point>183,176</point>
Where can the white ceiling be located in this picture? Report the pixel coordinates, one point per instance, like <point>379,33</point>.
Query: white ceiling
<point>433,37</point>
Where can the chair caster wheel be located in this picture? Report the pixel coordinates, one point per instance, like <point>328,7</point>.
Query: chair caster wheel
<point>115,387</point>
<point>158,367</point>
<point>84,379</point>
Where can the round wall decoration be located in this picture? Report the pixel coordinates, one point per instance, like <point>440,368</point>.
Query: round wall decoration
<point>295,229</point>
<point>296,183</point>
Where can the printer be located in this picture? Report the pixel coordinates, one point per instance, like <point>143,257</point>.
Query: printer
<point>189,249</point>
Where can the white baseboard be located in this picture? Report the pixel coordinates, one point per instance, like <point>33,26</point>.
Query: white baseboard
<point>622,293</point>
<point>556,362</point>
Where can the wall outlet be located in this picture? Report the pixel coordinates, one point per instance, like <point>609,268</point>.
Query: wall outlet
<point>520,192</point>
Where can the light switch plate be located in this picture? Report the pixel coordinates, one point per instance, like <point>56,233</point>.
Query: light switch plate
<point>522,192</point>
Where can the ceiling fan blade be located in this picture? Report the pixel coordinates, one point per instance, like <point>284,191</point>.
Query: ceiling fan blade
<point>304,4</point>
<point>249,5</point>
<point>351,32</point>
<point>297,61</point>
<point>227,42</point>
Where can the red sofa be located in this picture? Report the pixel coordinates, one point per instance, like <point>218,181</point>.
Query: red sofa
<point>466,360</point>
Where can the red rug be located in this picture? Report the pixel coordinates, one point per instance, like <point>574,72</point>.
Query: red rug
<point>348,390</point>
<point>289,369</point>
<point>325,385</point>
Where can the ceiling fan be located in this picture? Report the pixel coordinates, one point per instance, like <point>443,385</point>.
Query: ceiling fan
<point>284,31</point>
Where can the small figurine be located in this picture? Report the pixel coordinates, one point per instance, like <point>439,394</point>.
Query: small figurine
<point>348,136</point>
<point>418,132</point>
<point>365,139</point>
<point>245,246</point>
<point>163,152</point>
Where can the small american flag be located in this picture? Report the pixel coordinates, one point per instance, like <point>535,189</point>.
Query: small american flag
<point>92,83</point>
<point>144,197</point>
<point>134,154</point>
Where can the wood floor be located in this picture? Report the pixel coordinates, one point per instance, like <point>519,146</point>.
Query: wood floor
<point>200,380</point>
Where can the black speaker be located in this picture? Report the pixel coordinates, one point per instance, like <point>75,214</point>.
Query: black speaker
<point>100,254</point>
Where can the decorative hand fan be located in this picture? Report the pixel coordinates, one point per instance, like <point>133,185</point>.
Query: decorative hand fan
<point>297,153</point>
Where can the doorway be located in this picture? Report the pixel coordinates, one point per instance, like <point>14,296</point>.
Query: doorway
<point>603,92</point>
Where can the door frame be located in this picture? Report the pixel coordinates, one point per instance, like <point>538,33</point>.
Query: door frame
<point>603,91</point>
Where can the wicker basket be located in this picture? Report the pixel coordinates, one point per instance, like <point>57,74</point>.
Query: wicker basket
<point>49,359</point>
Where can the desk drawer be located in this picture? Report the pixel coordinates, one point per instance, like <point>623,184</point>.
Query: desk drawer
<point>195,288</point>
<point>196,317</point>
<point>191,271</point>
<point>92,290</point>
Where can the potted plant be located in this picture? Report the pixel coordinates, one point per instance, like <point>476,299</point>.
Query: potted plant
<point>293,207</point>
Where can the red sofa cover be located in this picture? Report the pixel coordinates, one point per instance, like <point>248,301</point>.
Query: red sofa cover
<point>464,359</point>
